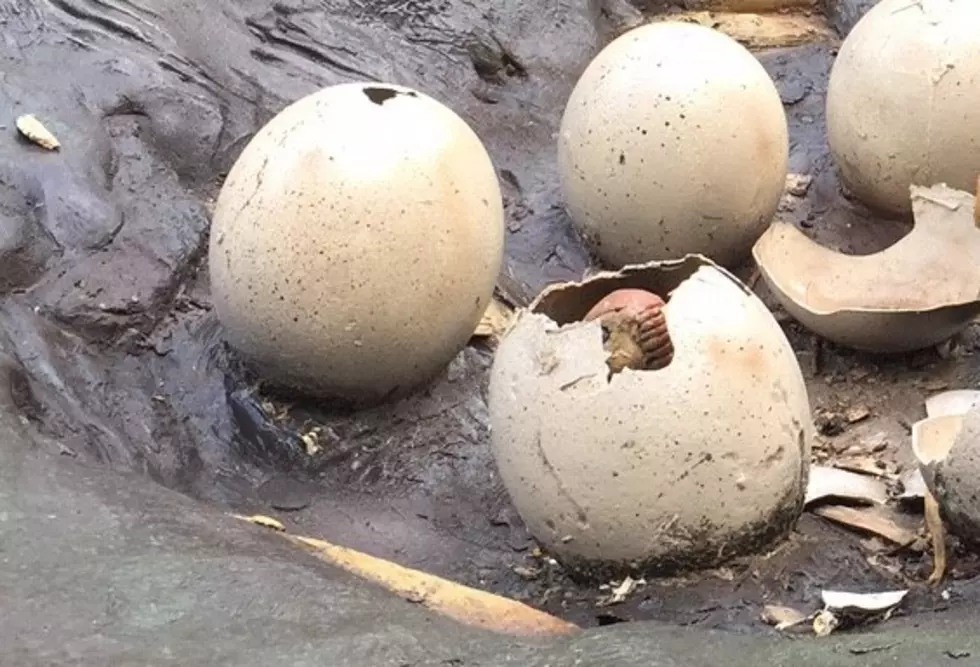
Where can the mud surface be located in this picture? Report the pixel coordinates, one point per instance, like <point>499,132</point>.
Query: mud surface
<point>100,568</point>
<point>105,302</point>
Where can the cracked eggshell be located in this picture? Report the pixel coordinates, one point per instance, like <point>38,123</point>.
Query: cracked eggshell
<point>356,242</point>
<point>956,480</point>
<point>903,100</point>
<point>673,141</point>
<point>661,470</point>
<point>948,451</point>
<point>952,402</point>
<point>916,293</point>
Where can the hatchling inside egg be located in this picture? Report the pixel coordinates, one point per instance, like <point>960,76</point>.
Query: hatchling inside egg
<point>680,457</point>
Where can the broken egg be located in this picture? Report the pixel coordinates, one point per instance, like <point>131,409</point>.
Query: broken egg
<point>903,105</point>
<point>356,242</point>
<point>916,293</point>
<point>681,467</point>
<point>947,447</point>
<point>673,141</point>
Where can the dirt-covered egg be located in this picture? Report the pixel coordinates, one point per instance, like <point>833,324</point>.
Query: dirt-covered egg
<point>651,466</point>
<point>947,446</point>
<point>673,141</point>
<point>356,242</point>
<point>903,101</point>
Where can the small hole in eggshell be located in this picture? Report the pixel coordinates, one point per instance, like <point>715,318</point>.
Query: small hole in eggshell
<point>381,94</point>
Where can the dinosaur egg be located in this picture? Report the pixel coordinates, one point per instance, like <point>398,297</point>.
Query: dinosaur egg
<point>619,469</point>
<point>903,101</point>
<point>673,141</point>
<point>356,242</point>
<point>954,479</point>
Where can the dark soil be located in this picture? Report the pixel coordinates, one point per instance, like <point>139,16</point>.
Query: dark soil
<point>105,301</point>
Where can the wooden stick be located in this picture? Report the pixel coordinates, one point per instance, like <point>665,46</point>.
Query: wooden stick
<point>934,523</point>
<point>469,606</point>
<point>461,603</point>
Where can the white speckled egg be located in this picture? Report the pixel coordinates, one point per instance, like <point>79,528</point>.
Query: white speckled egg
<point>903,102</point>
<point>652,471</point>
<point>674,141</point>
<point>356,242</point>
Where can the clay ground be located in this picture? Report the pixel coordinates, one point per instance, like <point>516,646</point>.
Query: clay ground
<point>106,308</point>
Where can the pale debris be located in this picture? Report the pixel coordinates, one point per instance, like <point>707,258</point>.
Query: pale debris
<point>783,618</point>
<point>878,520</point>
<point>620,591</point>
<point>913,485</point>
<point>29,126</point>
<point>862,603</point>
<point>856,607</point>
<point>831,482</point>
<point>495,321</point>
<point>262,520</point>
<point>824,623</point>
<point>954,402</point>
<point>311,441</point>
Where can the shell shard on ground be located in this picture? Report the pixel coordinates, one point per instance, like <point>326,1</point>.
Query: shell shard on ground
<point>862,602</point>
<point>826,483</point>
<point>916,293</point>
<point>32,129</point>
<point>953,402</point>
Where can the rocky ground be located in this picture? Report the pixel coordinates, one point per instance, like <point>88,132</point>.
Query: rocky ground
<point>117,359</point>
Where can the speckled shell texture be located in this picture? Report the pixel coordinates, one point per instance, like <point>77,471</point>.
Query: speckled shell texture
<point>655,470</point>
<point>674,141</point>
<point>356,242</point>
<point>957,481</point>
<point>903,101</point>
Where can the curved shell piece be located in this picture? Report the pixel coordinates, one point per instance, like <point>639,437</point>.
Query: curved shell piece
<point>953,402</point>
<point>916,293</point>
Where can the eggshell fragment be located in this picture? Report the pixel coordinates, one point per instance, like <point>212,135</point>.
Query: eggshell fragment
<point>953,402</point>
<point>826,482</point>
<point>903,105</point>
<point>918,292</point>
<point>32,129</point>
<point>652,470</point>
<point>356,242</point>
<point>673,141</point>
